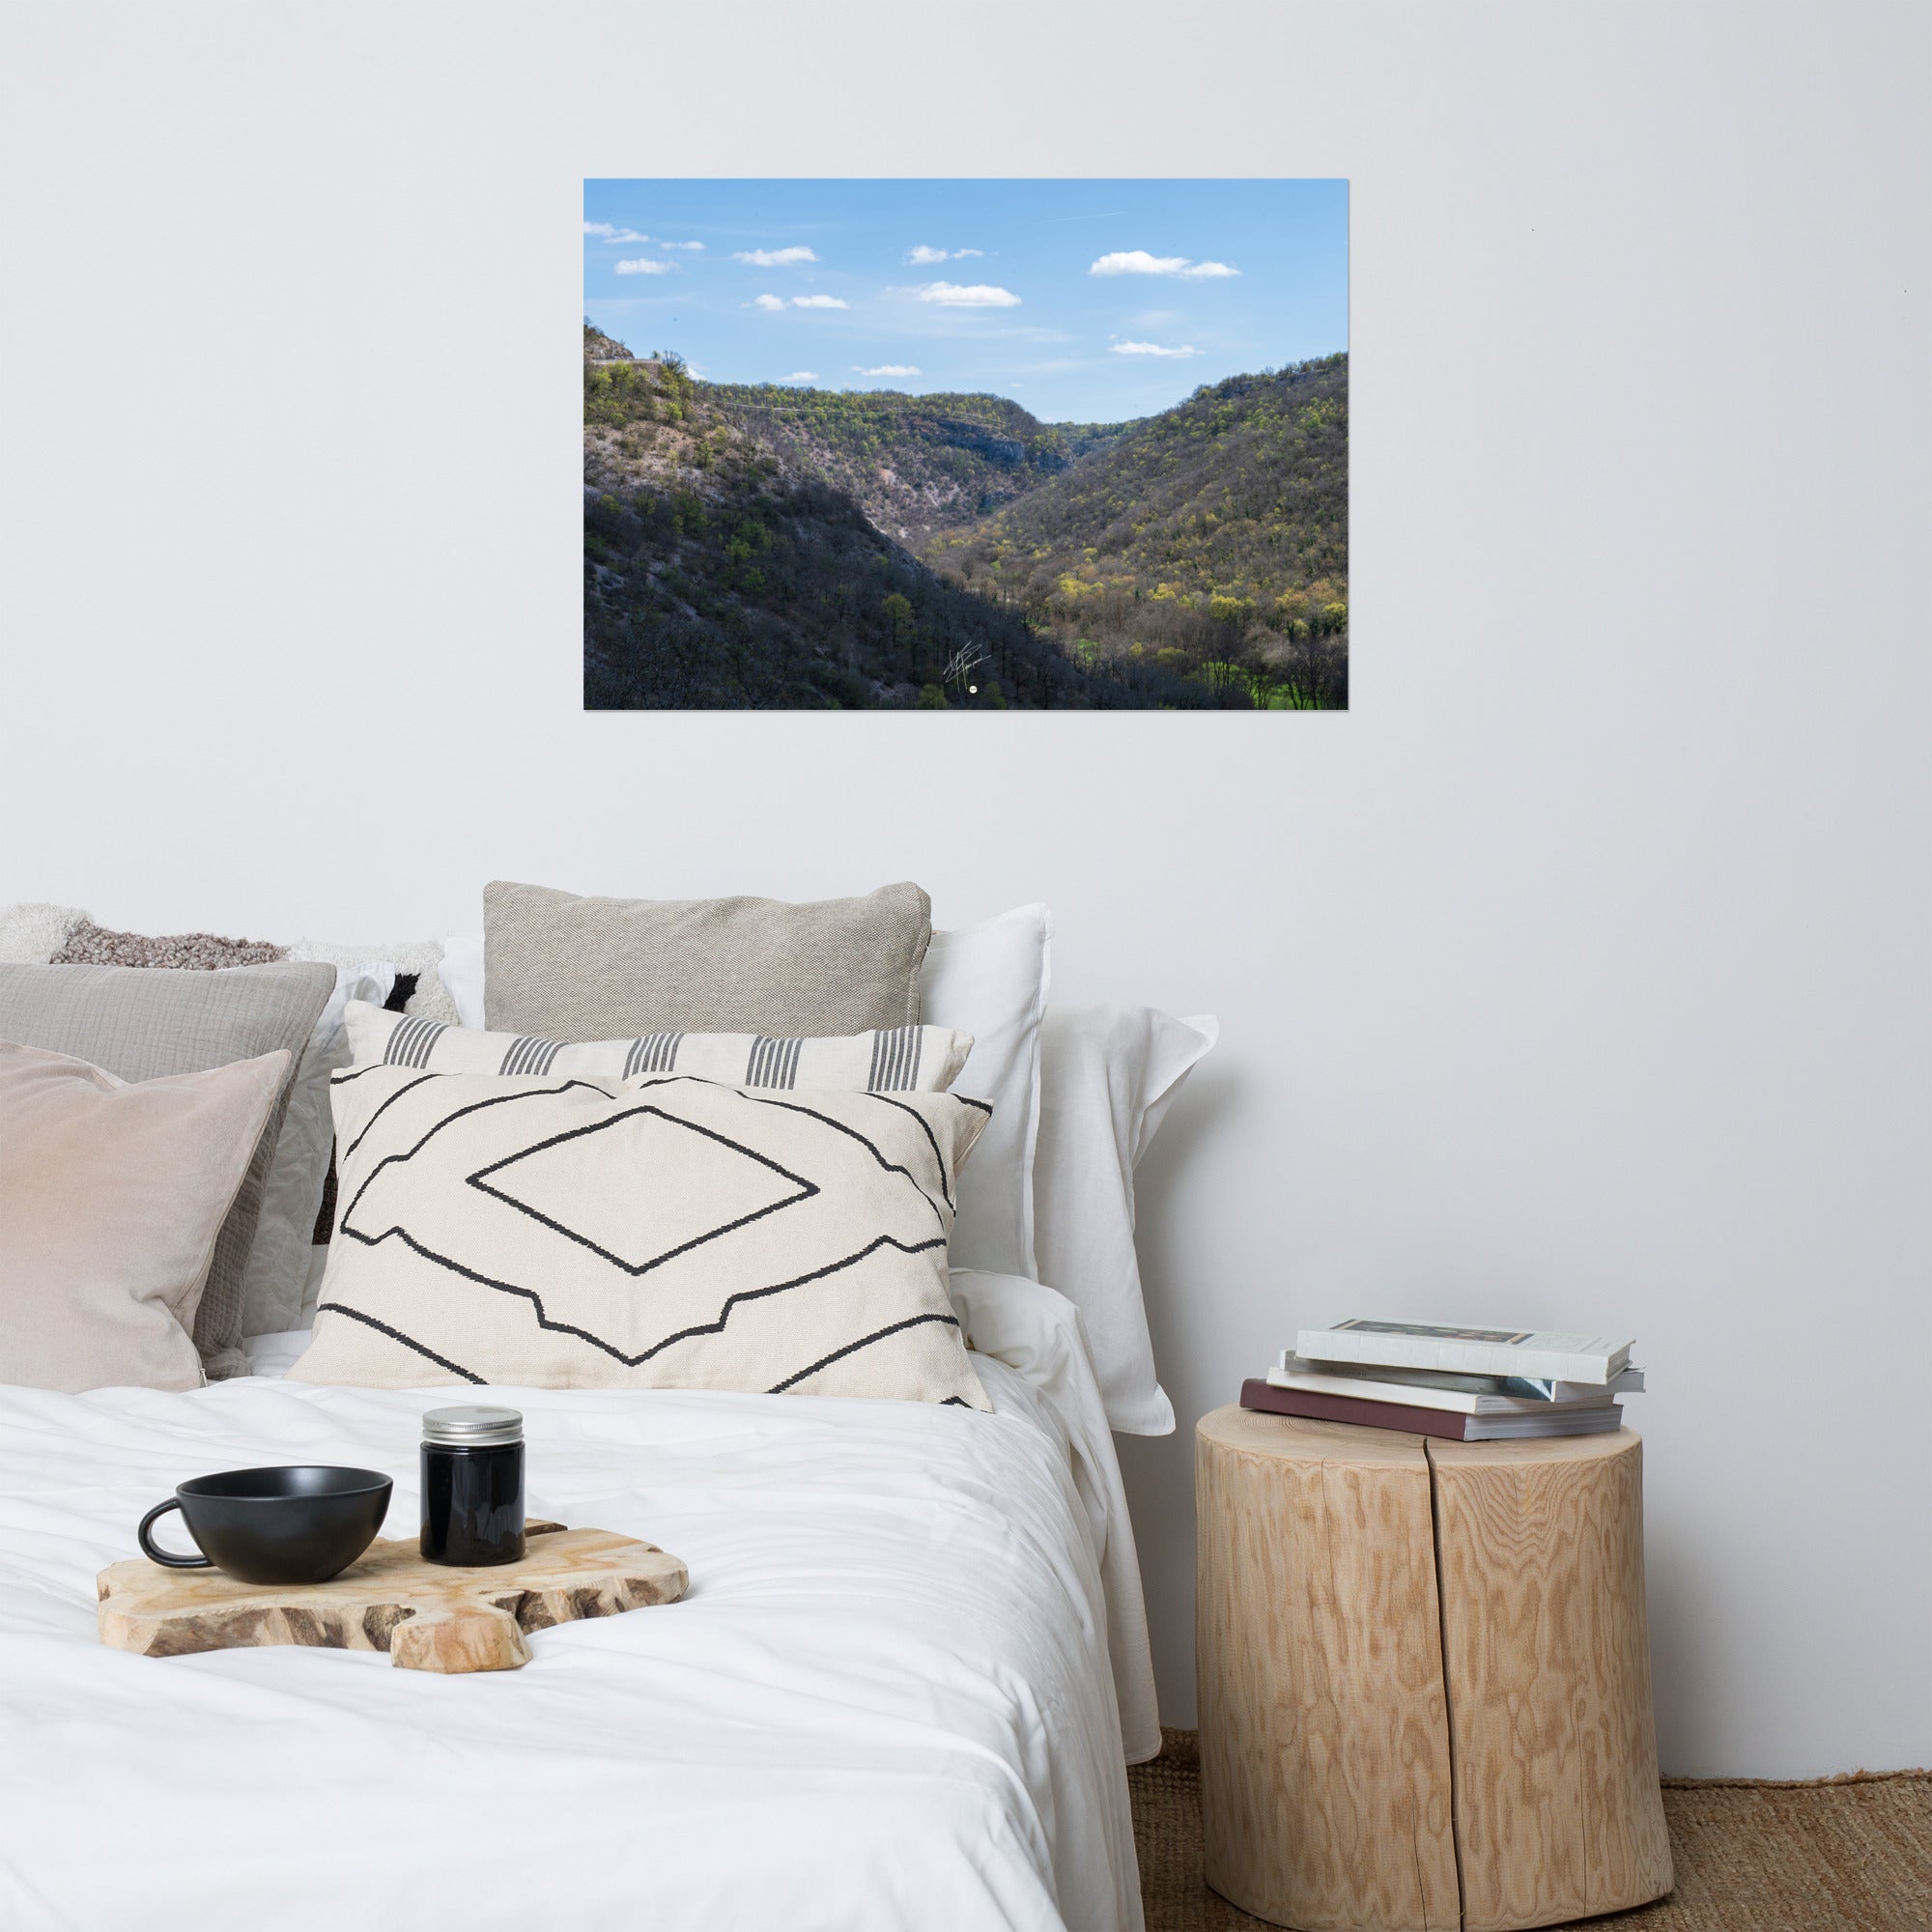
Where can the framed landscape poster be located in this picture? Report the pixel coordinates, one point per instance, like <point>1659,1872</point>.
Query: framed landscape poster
<point>966,446</point>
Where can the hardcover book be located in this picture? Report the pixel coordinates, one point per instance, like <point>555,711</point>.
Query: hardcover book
<point>1459,1395</point>
<point>1466,1351</point>
<point>1583,1419</point>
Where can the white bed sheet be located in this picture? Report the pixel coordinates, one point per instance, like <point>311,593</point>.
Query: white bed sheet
<point>886,1702</point>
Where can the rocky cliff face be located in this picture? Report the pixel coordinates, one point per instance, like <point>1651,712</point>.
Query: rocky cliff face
<point>914,464</point>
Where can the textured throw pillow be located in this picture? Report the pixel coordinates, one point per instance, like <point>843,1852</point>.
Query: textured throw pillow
<point>52,935</point>
<point>140,1024</point>
<point>112,1194</point>
<point>990,980</point>
<point>923,1060</point>
<point>569,968</point>
<point>91,944</point>
<point>658,1233</point>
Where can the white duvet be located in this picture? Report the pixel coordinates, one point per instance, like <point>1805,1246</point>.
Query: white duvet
<point>887,1701</point>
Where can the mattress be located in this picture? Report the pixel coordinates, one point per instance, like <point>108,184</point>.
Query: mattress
<point>887,1700</point>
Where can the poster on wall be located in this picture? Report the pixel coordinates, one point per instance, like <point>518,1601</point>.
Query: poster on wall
<point>992,445</point>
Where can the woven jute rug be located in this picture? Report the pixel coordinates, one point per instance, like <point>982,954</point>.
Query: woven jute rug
<point>1843,1855</point>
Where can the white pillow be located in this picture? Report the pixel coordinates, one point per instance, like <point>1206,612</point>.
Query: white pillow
<point>461,971</point>
<point>1109,1075</point>
<point>991,981</point>
<point>277,1265</point>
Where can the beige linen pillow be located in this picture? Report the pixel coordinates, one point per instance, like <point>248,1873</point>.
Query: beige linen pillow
<point>112,1195</point>
<point>570,968</point>
<point>141,1025</point>
<point>655,1232</point>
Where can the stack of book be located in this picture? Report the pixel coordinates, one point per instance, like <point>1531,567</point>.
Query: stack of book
<point>1468,1385</point>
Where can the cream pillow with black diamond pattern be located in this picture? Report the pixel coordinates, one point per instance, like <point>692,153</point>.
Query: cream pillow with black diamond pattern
<point>661,1232</point>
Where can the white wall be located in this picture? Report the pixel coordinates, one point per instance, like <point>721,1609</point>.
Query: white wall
<point>1578,973</point>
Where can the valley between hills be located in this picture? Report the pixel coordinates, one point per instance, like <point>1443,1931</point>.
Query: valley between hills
<point>784,547</point>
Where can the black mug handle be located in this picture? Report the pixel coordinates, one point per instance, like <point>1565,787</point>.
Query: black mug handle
<point>154,1552</point>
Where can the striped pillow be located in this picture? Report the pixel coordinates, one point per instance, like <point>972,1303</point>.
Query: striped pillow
<point>896,1059</point>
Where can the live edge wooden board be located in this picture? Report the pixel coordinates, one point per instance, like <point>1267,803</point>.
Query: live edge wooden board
<point>426,1615</point>
<point>1425,1678</point>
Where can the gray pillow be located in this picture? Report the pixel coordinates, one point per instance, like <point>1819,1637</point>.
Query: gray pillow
<point>572,968</point>
<point>143,1025</point>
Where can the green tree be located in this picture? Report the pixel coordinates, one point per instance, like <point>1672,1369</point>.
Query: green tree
<point>1266,688</point>
<point>901,624</point>
<point>931,697</point>
<point>1227,681</point>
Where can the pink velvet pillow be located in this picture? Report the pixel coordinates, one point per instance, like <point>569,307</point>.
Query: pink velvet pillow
<point>111,1196</point>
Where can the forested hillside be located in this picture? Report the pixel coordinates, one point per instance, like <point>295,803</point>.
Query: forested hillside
<point>1215,533</point>
<point>784,547</point>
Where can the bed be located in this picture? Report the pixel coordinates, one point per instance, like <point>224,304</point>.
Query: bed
<point>912,1664</point>
<point>901,1690</point>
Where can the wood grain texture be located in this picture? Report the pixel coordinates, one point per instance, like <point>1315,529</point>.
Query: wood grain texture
<point>1546,1653</point>
<point>1326,1800</point>
<point>426,1615</point>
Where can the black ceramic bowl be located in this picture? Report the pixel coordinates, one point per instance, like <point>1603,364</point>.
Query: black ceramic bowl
<point>301,1525</point>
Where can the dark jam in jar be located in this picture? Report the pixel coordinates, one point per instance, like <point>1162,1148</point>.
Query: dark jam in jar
<point>472,1486</point>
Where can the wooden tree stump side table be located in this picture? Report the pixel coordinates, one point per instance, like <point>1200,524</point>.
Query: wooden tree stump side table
<point>1325,1797</point>
<point>1425,1678</point>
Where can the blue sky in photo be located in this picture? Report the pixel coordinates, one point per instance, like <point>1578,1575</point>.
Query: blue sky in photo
<point>1083,301</point>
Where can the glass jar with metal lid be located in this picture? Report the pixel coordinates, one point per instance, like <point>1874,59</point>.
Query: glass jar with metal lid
<point>472,1486</point>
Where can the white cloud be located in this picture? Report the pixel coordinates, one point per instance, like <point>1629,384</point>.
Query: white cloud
<point>960,254</point>
<point>645,265</point>
<point>1185,350</point>
<point>774,258</point>
<point>696,247</point>
<point>924,257</point>
<point>889,369</point>
<point>801,376</point>
<point>775,305</point>
<point>603,231</point>
<point>1138,262</point>
<point>982,295</point>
